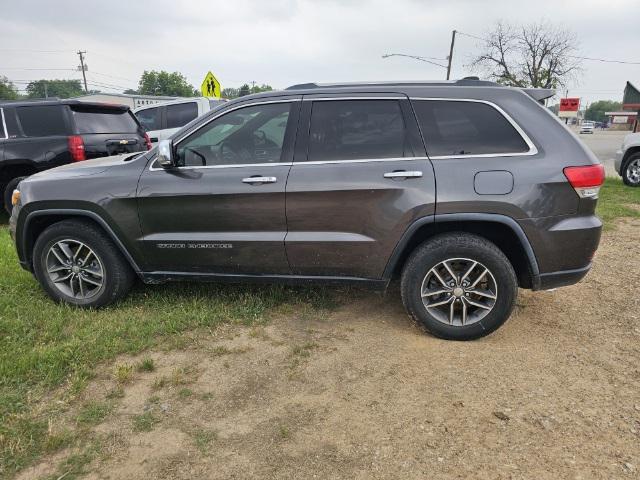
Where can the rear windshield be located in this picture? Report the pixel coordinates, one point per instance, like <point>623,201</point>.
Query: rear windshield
<point>97,120</point>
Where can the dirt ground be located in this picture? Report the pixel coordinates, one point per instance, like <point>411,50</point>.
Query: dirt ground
<point>362,393</point>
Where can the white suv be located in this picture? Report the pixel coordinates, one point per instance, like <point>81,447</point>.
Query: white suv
<point>627,162</point>
<point>161,120</point>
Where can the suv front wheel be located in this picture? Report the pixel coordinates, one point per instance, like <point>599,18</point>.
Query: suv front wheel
<point>459,286</point>
<point>77,263</point>
<point>631,171</point>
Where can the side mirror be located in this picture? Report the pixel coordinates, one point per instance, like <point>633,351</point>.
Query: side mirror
<point>165,154</point>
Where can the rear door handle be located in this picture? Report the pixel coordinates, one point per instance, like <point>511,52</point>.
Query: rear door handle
<point>403,174</point>
<point>259,179</point>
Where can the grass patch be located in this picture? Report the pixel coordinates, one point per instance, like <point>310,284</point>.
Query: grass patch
<point>44,345</point>
<point>123,373</point>
<point>93,413</point>
<point>144,422</point>
<point>146,365</point>
<point>617,200</point>
<point>203,439</point>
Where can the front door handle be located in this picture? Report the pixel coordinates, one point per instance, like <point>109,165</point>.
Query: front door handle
<point>403,174</point>
<point>258,179</point>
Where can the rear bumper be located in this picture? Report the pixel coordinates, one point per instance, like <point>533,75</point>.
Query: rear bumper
<point>562,278</point>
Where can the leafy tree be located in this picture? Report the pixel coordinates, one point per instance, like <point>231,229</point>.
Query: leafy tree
<point>244,90</point>
<point>596,111</point>
<point>537,55</point>
<point>54,88</point>
<point>261,88</point>
<point>130,91</point>
<point>165,83</point>
<point>7,89</point>
<point>230,93</point>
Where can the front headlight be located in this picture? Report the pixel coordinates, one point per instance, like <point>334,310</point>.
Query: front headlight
<point>15,197</point>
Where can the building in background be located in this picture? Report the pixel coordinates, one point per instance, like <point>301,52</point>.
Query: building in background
<point>623,120</point>
<point>132,101</point>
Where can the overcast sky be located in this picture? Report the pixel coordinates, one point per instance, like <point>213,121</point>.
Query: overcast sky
<point>282,42</point>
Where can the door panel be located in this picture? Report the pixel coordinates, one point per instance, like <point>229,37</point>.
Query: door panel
<point>207,220</point>
<point>222,210</point>
<point>345,219</point>
<point>347,209</point>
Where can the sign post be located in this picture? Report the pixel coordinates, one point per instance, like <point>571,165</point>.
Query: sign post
<point>210,87</point>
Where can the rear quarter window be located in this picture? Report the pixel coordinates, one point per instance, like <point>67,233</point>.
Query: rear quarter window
<point>96,120</point>
<point>3,133</point>
<point>42,120</point>
<point>150,119</point>
<point>459,128</point>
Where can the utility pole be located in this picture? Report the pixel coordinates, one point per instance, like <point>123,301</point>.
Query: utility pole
<point>83,68</point>
<point>450,58</point>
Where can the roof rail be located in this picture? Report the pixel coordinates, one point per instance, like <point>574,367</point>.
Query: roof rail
<point>466,81</point>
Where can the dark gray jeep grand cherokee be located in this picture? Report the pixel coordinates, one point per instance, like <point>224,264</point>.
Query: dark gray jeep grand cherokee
<point>466,189</point>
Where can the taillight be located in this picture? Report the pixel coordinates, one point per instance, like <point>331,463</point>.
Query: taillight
<point>76,148</point>
<point>147,141</point>
<point>586,180</point>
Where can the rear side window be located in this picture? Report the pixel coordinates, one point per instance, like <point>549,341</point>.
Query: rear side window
<point>180,114</point>
<point>97,120</point>
<point>42,121</point>
<point>356,129</point>
<point>466,128</point>
<point>149,118</point>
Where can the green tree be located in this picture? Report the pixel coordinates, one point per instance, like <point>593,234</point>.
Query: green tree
<point>596,111</point>
<point>261,88</point>
<point>130,91</point>
<point>244,90</point>
<point>230,93</point>
<point>54,88</point>
<point>7,89</point>
<point>165,83</point>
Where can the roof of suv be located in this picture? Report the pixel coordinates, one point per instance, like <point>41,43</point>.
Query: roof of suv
<point>47,102</point>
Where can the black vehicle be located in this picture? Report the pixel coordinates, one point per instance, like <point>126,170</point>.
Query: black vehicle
<point>38,135</point>
<point>466,190</point>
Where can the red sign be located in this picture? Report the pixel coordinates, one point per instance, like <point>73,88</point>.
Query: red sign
<point>569,104</point>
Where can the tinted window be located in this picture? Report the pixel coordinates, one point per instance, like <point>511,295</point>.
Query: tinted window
<point>247,135</point>
<point>149,118</point>
<point>11,122</point>
<point>2,122</point>
<point>95,120</point>
<point>466,128</point>
<point>42,121</point>
<point>180,114</point>
<point>356,129</point>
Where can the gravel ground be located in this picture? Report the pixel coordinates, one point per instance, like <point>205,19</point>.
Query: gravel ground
<point>361,392</point>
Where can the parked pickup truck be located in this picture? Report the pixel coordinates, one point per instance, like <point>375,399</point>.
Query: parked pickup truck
<point>162,120</point>
<point>627,162</point>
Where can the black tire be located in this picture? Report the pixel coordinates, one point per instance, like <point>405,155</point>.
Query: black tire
<point>8,192</point>
<point>632,181</point>
<point>117,275</point>
<point>462,247</point>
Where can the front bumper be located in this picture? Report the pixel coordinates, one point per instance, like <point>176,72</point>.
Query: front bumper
<point>617,162</point>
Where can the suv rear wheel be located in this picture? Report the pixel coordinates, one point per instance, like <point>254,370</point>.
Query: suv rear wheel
<point>459,286</point>
<point>77,263</point>
<point>631,171</point>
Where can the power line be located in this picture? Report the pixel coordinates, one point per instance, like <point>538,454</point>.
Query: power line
<point>416,57</point>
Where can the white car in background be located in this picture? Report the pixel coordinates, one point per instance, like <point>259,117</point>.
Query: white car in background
<point>161,120</point>
<point>627,161</point>
<point>587,127</point>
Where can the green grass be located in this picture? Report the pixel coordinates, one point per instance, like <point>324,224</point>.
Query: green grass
<point>44,346</point>
<point>617,200</point>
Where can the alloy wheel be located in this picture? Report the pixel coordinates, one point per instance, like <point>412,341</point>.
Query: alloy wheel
<point>633,171</point>
<point>75,269</point>
<point>459,291</point>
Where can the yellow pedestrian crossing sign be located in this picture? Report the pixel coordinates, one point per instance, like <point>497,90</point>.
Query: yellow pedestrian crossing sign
<point>210,86</point>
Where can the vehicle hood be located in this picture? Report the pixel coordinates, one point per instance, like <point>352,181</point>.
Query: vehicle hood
<point>84,168</point>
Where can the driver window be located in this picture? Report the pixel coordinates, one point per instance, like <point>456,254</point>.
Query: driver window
<point>247,135</point>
